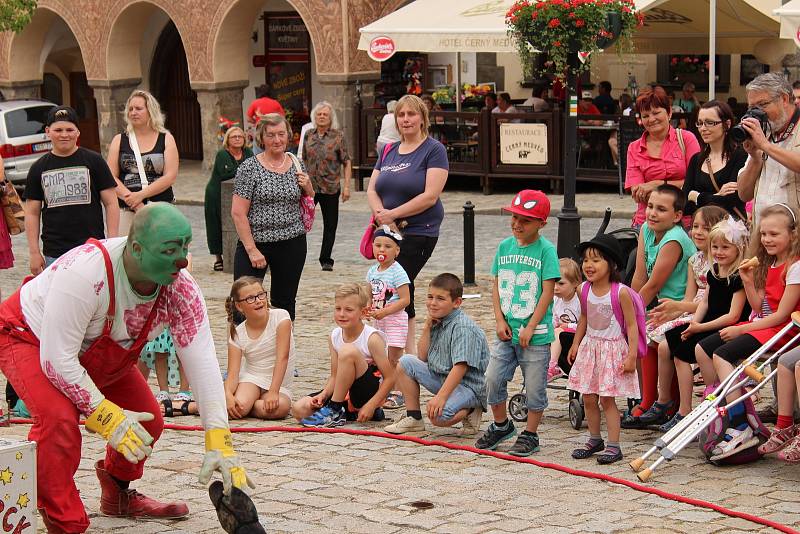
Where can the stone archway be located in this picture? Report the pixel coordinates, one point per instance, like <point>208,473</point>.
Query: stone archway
<point>49,44</point>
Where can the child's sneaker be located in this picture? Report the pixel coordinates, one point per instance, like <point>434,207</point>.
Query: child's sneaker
<point>471,424</point>
<point>669,425</point>
<point>494,436</point>
<point>406,424</point>
<point>553,373</point>
<point>325,417</point>
<point>527,443</point>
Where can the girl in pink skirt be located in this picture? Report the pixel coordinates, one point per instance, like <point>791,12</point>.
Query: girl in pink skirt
<point>604,353</point>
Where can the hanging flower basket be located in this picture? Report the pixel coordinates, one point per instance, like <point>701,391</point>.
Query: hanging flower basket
<point>559,28</point>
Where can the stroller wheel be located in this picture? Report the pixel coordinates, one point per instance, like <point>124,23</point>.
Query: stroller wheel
<point>575,414</point>
<point>518,407</point>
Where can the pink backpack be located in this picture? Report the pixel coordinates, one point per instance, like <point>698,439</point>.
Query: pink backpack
<point>638,307</point>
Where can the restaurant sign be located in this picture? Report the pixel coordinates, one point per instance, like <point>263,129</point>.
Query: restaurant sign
<point>523,144</point>
<point>381,48</point>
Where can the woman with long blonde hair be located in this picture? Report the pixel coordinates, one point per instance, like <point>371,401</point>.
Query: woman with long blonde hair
<point>145,133</point>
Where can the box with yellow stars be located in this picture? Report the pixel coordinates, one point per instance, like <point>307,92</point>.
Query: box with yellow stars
<point>18,486</point>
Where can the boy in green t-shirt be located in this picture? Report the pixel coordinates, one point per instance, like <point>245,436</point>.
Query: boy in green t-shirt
<point>525,271</point>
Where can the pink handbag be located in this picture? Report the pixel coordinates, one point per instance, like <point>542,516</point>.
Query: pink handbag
<point>307,207</point>
<point>365,247</point>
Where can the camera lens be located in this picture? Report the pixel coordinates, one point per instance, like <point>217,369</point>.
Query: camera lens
<point>739,134</point>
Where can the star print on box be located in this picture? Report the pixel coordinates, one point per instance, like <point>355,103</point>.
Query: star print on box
<point>18,482</point>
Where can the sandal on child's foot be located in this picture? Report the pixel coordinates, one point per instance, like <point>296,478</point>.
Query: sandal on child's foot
<point>610,456</point>
<point>162,397</point>
<point>394,400</point>
<point>588,450</point>
<point>218,265</point>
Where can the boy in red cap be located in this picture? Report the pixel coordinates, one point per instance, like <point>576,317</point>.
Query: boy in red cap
<point>525,271</point>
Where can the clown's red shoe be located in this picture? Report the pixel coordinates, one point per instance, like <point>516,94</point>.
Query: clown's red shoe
<point>118,502</point>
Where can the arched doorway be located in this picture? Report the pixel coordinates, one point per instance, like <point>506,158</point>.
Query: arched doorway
<point>169,83</point>
<point>48,50</point>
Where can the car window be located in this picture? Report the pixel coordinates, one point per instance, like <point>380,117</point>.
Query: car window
<point>26,121</point>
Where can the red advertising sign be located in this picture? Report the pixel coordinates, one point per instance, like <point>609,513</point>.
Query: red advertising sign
<point>381,48</point>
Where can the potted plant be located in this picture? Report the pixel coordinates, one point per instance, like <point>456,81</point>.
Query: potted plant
<point>559,28</point>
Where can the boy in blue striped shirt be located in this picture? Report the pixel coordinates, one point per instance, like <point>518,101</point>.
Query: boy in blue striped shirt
<point>452,357</point>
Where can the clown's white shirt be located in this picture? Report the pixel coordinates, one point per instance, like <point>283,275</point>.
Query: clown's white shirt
<point>66,305</point>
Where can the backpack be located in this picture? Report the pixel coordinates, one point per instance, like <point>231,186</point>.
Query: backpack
<point>638,308</point>
<point>714,433</point>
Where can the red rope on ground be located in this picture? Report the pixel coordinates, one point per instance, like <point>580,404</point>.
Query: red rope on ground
<point>501,456</point>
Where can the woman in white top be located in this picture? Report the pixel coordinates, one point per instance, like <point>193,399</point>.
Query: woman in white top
<point>260,350</point>
<point>388,133</point>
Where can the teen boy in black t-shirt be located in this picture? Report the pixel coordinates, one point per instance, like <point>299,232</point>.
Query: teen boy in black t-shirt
<point>67,189</point>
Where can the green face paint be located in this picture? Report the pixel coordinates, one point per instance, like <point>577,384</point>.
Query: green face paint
<point>163,239</point>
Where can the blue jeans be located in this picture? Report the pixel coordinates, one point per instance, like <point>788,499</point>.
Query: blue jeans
<point>533,361</point>
<point>462,398</point>
<point>49,260</point>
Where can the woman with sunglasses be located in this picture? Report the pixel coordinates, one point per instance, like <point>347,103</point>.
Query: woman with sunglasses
<point>712,172</point>
<point>228,159</point>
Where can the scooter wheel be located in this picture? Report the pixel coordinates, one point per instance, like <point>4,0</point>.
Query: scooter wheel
<point>518,407</point>
<point>575,414</point>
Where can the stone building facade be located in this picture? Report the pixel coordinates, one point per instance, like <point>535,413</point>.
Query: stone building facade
<point>113,45</point>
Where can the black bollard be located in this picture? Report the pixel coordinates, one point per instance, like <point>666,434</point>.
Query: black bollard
<point>469,244</point>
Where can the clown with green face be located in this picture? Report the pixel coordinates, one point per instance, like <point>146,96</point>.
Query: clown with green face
<point>63,375</point>
<point>158,246</point>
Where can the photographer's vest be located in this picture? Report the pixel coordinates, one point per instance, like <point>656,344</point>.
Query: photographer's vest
<point>791,182</point>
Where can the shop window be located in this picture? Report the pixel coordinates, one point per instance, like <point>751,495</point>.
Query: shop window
<point>750,68</point>
<point>674,70</point>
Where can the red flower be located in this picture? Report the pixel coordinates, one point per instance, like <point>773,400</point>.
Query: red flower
<point>556,43</point>
<point>571,14</point>
<point>554,23</point>
<point>580,23</point>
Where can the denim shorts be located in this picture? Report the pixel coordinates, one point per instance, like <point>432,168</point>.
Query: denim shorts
<point>533,361</point>
<point>462,398</point>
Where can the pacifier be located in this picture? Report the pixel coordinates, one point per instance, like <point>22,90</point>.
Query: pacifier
<point>381,258</point>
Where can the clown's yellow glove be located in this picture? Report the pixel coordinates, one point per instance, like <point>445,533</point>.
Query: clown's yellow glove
<point>221,457</point>
<point>121,429</point>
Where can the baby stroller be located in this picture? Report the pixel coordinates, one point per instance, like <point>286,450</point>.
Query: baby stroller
<point>517,405</point>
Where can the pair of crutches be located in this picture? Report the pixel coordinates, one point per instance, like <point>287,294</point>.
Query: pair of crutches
<point>671,443</point>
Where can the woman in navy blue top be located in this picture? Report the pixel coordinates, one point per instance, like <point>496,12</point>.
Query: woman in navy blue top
<point>404,190</point>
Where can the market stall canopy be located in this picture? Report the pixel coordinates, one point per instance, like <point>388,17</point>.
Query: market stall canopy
<point>682,26</point>
<point>444,26</point>
<point>789,15</point>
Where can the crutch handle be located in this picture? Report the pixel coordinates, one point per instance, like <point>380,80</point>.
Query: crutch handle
<point>796,318</point>
<point>752,372</point>
<point>645,475</point>
<point>637,464</point>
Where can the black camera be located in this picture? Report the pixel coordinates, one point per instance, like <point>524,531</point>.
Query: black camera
<point>739,134</point>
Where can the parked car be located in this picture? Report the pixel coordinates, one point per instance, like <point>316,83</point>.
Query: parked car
<point>22,137</point>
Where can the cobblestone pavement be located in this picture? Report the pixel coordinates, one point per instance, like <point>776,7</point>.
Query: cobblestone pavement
<point>319,483</point>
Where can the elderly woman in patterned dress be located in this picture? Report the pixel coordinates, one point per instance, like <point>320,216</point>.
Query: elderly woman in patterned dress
<point>328,162</point>
<point>267,214</point>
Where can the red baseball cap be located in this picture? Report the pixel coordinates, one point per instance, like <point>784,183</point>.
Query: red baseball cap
<point>530,203</point>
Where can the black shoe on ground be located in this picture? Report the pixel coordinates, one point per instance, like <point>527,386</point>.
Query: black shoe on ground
<point>327,266</point>
<point>494,436</point>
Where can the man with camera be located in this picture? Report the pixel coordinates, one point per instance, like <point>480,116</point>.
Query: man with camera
<point>772,141</point>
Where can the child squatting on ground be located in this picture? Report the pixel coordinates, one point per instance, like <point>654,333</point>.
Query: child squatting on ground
<point>605,349</point>
<point>525,269</point>
<point>260,350</point>
<point>452,355</point>
<point>390,296</point>
<point>358,353</point>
